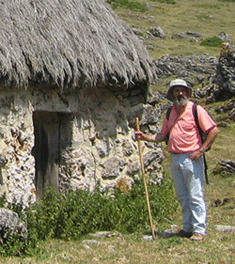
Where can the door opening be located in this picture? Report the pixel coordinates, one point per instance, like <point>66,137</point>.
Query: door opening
<point>52,131</point>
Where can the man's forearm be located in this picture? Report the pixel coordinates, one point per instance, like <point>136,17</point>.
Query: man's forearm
<point>154,138</point>
<point>210,138</point>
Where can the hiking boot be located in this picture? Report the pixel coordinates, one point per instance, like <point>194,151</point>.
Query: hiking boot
<point>183,233</point>
<point>197,237</point>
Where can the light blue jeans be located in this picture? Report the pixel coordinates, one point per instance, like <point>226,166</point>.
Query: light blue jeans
<point>188,180</point>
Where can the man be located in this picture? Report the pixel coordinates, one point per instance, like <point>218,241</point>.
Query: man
<point>187,150</point>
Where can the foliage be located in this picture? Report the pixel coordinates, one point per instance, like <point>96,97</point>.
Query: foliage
<point>11,242</point>
<point>2,200</point>
<point>203,16</point>
<point>212,42</point>
<point>227,1</point>
<point>172,2</point>
<point>127,4</point>
<point>73,214</point>
<point>207,5</point>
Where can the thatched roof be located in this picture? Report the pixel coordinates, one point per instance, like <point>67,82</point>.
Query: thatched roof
<point>68,43</point>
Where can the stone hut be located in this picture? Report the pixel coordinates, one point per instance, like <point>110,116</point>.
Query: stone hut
<point>73,78</point>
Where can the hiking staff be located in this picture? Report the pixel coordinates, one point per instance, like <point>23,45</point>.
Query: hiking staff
<point>144,180</point>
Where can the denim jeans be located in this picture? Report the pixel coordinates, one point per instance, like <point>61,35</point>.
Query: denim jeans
<point>188,180</point>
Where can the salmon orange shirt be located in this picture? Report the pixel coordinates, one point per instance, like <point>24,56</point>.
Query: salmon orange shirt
<point>184,135</point>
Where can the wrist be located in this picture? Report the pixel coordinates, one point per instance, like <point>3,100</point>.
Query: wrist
<point>202,150</point>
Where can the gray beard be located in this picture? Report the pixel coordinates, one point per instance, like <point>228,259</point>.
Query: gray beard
<point>180,101</point>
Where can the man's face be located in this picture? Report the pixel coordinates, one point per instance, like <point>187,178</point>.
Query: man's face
<point>180,95</point>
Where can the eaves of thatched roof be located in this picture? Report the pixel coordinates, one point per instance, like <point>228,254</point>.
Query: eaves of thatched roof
<point>69,44</point>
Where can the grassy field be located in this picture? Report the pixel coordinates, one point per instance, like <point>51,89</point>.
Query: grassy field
<point>209,18</point>
<point>218,247</point>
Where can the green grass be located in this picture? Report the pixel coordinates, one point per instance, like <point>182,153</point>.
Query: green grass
<point>232,1</point>
<point>208,6</point>
<point>203,16</point>
<point>171,2</point>
<point>126,4</point>
<point>212,42</point>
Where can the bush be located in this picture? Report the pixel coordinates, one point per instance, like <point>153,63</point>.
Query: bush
<point>227,0</point>
<point>73,214</point>
<point>128,5</point>
<point>212,42</point>
<point>173,2</point>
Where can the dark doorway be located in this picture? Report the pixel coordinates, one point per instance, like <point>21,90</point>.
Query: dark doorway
<point>52,133</point>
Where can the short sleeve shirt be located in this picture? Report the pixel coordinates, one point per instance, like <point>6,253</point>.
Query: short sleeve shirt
<point>183,132</point>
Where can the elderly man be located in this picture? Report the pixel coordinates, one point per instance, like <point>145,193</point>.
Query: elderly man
<point>187,148</point>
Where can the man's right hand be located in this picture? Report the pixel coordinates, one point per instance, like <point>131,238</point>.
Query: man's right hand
<point>139,135</point>
<point>151,138</point>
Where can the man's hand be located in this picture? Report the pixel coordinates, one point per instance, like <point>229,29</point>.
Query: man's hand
<point>151,138</point>
<point>196,155</point>
<point>139,135</point>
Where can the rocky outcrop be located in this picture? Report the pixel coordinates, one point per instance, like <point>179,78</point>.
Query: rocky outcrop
<point>215,76</point>
<point>10,225</point>
<point>225,75</point>
<point>225,168</point>
<point>194,69</point>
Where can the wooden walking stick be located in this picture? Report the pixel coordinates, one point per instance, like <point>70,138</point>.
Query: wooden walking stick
<point>144,179</point>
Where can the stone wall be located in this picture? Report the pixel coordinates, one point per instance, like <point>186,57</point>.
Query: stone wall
<point>102,147</point>
<point>16,141</point>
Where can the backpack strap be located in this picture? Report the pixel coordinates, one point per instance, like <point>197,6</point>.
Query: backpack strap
<point>196,118</point>
<point>167,117</point>
<point>168,112</point>
<point>200,132</point>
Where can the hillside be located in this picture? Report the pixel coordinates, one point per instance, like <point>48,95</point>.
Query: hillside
<point>206,18</point>
<point>186,24</point>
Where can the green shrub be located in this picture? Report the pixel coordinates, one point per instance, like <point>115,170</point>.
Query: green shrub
<point>207,5</point>
<point>227,0</point>
<point>128,5</point>
<point>73,214</point>
<point>203,16</point>
<point>212,42</point>
<point>132,5</point>
<point>172,2</point>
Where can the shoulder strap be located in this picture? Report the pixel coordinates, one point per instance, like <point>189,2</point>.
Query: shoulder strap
<point>200,131</point>
<point>168,112</point>
<point>196,117</point>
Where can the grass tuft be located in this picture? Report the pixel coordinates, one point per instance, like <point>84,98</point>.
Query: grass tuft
<point>127,5</point>
<point>212,42</point>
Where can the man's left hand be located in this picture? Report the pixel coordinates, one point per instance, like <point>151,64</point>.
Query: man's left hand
<point>195,155</point>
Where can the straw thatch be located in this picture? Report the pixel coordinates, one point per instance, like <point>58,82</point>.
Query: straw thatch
<point>69,44</point>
